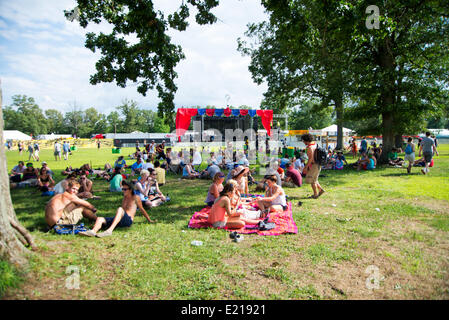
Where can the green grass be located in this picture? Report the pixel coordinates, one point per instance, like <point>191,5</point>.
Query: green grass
<point>406,239</point>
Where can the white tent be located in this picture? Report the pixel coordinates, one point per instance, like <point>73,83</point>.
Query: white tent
<point>15,135</point>
<point>332,130</point>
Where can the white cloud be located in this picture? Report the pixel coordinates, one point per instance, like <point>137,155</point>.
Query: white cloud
<point>53,66</point>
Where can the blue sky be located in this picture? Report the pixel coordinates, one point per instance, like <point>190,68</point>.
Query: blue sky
<point>42,55</point>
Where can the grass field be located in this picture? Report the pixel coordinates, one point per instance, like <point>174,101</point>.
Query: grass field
<point>406,243</point>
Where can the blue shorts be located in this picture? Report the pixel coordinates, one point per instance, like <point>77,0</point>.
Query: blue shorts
<point>126,221</point>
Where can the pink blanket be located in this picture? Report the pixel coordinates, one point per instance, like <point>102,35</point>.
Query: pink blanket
<point>283,220</point>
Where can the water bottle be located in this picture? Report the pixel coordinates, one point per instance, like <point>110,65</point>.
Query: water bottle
<point>196,243</point>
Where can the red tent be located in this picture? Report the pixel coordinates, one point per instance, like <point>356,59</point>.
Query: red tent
<point>99,136</point>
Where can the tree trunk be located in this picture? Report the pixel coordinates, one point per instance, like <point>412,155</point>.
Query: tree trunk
<point>11,246</point>
<point>339,116</point>
<point>398,142</point>
<point>387,135</point>
<point>387,63</point>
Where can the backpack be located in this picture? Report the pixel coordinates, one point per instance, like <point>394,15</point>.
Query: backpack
<point>320,156</point>
<point>408,149</point>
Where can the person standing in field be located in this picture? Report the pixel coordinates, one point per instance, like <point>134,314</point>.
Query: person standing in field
<point>57,152</point>
<point>410,154</point>
<point>428,149</point>
<point>36,151</point>
<point>312,169</point>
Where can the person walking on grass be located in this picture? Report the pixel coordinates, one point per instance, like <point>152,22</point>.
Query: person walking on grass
<point>124,215</point>
<point>312,169</point>
<point>428,149</point>
<point>66,150</point>
<point>410,154</point>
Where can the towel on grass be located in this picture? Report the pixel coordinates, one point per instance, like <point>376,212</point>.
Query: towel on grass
<point>283,220</point>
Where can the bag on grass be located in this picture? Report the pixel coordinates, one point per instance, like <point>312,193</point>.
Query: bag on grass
<point>69,228</point>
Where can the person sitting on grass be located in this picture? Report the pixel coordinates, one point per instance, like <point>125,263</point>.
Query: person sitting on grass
<point>124,215</point>
<point>136,167</point>
<point>115,182</point>
<point>120,163</point>
<point>340,161</point>
<point>189,173</point>
<point>67,208</point>
<point>160,173</point>
<point>393,159</point>
<point>16,172</point>
<point>215,188</point>
<point>293,177</point>
<point>45,180</point>
<point>155,195</point>
<point>367,162</point>
<point>239,176</point>
<point>29,177</point>
<point>274,199</point>
<point>222,215</point>
<point>61,186</point>
<point>85,190</point>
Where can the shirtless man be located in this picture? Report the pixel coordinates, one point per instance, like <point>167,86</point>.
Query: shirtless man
<point>124,216</point>
<point>67,208</point>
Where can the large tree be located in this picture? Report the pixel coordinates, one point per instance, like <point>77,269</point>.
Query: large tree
<point>151,60</point>
<point>302,52</point>
<point>13,236</point>
<point>25,115</point>
<point>402,69</point>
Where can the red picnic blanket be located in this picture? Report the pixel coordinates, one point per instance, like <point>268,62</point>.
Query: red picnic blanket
<point>283,220</point>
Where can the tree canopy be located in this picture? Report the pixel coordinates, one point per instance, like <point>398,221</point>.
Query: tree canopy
<point>150,61</point>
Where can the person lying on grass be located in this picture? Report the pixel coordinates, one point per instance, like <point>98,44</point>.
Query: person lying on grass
<point>124,215</point>
<point>67,208</point>
<point>222,215</point>
<point>274,199</point>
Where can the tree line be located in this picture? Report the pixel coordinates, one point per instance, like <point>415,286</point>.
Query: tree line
<point>25,115</point>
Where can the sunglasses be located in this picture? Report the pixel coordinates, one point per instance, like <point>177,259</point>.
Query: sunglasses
<point>124,189</point>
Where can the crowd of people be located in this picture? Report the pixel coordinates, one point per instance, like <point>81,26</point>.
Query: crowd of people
<point>228,195</point>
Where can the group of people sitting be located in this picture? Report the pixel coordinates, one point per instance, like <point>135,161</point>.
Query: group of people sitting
<point>25,176</point>
<point>232,208</point>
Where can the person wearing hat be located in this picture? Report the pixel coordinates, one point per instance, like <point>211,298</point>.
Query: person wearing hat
<point>239,176</point>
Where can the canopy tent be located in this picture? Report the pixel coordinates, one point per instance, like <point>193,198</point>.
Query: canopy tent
<point>332,130</point>
<point>15,135</point>
<point>184,116</point>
